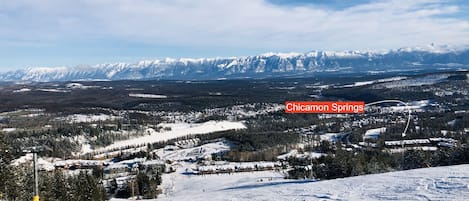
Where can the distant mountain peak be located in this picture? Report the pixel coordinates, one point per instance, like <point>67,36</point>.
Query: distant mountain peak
<point>269,64</point>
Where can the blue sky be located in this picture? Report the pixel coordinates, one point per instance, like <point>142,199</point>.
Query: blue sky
<point>75,32</point>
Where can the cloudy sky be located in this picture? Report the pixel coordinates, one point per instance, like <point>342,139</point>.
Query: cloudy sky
<point>74,32</point>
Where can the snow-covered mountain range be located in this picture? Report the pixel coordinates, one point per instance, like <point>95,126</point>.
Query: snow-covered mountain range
<point>260,66</point>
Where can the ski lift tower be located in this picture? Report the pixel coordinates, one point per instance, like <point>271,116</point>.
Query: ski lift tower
<point>34,150</point>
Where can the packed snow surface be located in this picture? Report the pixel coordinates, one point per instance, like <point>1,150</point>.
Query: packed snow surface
<point>439,183</point>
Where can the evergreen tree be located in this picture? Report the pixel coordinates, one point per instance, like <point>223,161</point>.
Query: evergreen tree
<point>5,169</point>
<point>86,187</point>
<point>61,188</point>
<point>15,183</point>
<point>46,187</point>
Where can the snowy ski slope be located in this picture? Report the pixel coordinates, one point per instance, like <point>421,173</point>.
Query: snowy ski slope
<point>439,183</point>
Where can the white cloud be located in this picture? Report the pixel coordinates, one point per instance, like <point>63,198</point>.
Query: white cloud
<point>234,23</point>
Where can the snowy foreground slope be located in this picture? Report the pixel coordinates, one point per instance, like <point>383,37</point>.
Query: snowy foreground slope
<point>439,183</point>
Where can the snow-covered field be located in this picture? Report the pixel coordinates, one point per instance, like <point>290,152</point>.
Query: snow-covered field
<point>418,81</point>
<point>7,130</point>
<point>363,83</point>
<point>440,183</point>
<point>148,96</point>
<point>414,106</point>
<point>204,151</point>
<point>22,90</point>
<point>79,86</point>
<point>175,130</point>
<point>43,163</point>
<point>374,133</point>
<point>54,90</point>
<point>79,118</point>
